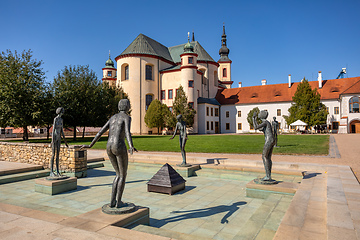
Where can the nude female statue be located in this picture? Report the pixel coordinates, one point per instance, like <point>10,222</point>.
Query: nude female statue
<point>181,126</point>
<point>57,133</point>
<point>266,128</point>
<point>119,128</point>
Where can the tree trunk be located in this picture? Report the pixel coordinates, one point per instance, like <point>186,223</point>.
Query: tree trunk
<point>83,135</point>
<point>25,134</point>
<point>158,131</point>
<point>48,132</point>
<point>74,138</point>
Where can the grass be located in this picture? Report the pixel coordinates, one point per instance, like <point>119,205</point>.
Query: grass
<point>245,144</point>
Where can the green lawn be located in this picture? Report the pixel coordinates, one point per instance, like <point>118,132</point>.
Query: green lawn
<point>288,144</point>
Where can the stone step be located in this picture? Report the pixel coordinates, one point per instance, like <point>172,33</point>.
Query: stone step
<point>92,160</point>
<point>167,233</point>
<point>20,170</point>
<point>24,176</point>
<point>95,165</point>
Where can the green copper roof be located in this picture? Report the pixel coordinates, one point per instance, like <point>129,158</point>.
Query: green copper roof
<point>176,51</point>
<point>145,45</point>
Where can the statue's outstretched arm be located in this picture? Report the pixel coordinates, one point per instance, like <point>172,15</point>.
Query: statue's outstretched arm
<point>128,135</point>
<point>176,128</point>
<point>97,136</point>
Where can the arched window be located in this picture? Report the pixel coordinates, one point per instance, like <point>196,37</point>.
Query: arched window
<point>149,72</point>
<point>224,72</point>
<point>354,105</point>
<point>149,98</point>
<point>125,71</point>
<point>215,78</point>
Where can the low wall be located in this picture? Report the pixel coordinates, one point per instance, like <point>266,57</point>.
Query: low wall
<point>72,161</point>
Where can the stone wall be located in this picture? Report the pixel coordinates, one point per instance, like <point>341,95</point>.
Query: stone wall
<point>72,161</point>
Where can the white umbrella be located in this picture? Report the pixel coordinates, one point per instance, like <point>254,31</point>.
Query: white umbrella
<point>298,123</point>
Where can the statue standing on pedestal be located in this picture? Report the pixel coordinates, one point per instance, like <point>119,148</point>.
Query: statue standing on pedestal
<point>266,128</point>
<point>275,125</point>
<point>181,126</point>
<point>119,128</point>
<point>57,133</point>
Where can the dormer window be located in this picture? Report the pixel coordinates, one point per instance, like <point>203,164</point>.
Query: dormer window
<point>334,89</point>
<point>254,95</point>
<point>277,94</point>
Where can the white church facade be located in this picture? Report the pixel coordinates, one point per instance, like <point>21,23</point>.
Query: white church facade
<point>148,70</point>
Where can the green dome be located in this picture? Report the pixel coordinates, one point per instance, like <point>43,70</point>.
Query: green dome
<point>109,62</point>
<point>188,48</point>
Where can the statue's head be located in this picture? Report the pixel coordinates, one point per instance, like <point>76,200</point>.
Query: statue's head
<point>178,117</point>
<point>124,105</point>
<point>274,118</point>
<point>263,114</point>
<point>60,110</point>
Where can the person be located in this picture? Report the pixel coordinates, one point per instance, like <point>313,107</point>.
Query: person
<point>181,126</point>
<point>119,128</point>
<point>266,128</point>
<point>57,133</point>
<point>275,125</point>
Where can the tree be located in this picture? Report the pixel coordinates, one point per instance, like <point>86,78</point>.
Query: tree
<point>75,89</point>
<point>48,109</point>
<point>156,115</point>
<point>21,90</point>
<point>307,106</point>
<point>251,114</point>
<point>181,106</point>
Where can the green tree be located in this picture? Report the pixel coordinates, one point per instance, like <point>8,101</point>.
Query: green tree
<point>155,116</point>
<point>251,114</point>
<point>75,89</point>
<point>48,111</point>
<point>181,106</point>
<point>307,106</point>
<point>21,90</point>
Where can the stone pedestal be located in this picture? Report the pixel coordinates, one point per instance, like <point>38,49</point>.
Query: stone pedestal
<point>262,191</point>
<point>52,187</point>
<point>187,171</point>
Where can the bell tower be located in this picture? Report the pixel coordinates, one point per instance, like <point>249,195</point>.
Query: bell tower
<point>224,63</point>
<point>109,72</point>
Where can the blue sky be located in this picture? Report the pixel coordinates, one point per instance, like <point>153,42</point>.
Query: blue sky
<point>267,39</point>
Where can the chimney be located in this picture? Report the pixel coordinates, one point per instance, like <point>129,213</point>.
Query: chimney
<point>263,82</point>
<point>240,84</point>
<point>289,78</point>
<point>320,79</point>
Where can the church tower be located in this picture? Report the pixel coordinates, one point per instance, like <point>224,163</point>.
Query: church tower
<point>109,72</point>
<point>224,63</point>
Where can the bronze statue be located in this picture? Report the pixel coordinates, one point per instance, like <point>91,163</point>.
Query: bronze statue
<point>119,128</point>
<point>275,125</point>
<point>57,133</point>
<point>266,128</point>
<point>181,126</point>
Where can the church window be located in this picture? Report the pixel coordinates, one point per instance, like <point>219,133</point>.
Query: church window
<point>109,73</point>
<point>239,126</point>
<point>227,126</point>
<point>215,78</point>
<point>191,83</point>
<point>212,112</point>
<point>224,72</point>
<point>149,72</point>
<point>278,112</point>
<point>336,110</point>
<point>190,60</point>
<point>212,125</point>
<point>170,94</point>
<point>163,95</point>
<point>216,112</point>
<point>354,105</point>
<point>239,113</point>
<point>125,71</point>
<point>207,111</point>
<point>227,114</point>
<point>207,125</point>
<point>149,98</point>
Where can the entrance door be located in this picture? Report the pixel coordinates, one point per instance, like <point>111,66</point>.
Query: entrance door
<point>355,126</point>
<point>216,127</point>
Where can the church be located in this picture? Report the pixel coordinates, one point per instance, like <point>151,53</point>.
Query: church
<point>148,70</point>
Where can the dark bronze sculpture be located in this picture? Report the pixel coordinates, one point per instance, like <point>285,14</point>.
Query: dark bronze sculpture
<point>266,128</point>
<point>181,126</point>
<point>57,133</point>
<point>275,125</point>
<point>119,128</point>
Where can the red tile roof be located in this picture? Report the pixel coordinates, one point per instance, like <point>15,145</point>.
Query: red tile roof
<point>331,89</point>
